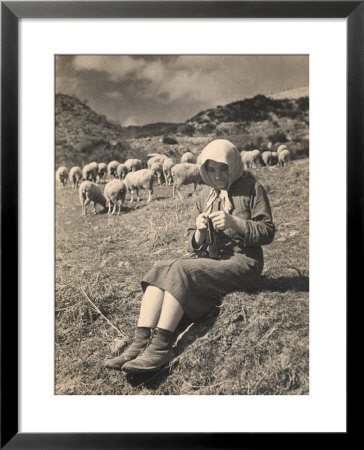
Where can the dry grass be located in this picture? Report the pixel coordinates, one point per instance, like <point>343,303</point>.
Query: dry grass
<point>256,342</point>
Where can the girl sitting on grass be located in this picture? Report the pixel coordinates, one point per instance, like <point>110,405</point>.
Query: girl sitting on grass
<point>232,220</point>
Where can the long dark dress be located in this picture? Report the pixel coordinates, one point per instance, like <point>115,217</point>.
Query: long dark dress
<point>198,283</point>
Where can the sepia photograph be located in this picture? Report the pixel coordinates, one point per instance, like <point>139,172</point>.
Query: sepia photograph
<point>181,224</point>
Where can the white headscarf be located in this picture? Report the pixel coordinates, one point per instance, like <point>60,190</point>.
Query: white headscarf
<point>221,151</point>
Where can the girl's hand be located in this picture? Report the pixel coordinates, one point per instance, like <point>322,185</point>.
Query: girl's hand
<point>201,221</point>
<point>222,220</point>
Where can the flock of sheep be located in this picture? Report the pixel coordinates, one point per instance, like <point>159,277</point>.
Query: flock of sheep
<point>131,176</point>
<point>267,158</point>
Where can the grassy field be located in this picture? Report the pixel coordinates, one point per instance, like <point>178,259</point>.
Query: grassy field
<point>256,343</point>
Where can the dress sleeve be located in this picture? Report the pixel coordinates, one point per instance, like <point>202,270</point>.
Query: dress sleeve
<point>192,228</point>
<point>260,227</point>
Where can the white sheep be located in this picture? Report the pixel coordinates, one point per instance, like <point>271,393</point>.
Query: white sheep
<point>114,193</point>
<point>94,165</point>
<point>168,163</point>
<point>188,157</point>
<point>257,153</point>
<point>267,158</point>
<point>89,173</point>
<point>90,192</point>
<point>154,159</point>
<point>185,173</point>
<point>157,169</point>
<point>121,171</point>
<point>102,171</point>
<point>143,178</point>
<point>75,176</point>
<point>133,164</point>
<point>274,158</point>
<point>281,148</point>
<point>251,158</point>
<point>62,176</point>
<point>111,168</point>
<point>284,157</point>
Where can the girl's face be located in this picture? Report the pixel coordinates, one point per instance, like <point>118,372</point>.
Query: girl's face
<point>218,174</point>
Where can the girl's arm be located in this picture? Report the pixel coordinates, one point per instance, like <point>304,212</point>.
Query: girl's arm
<point>198,228</point>
<point>256,231</point>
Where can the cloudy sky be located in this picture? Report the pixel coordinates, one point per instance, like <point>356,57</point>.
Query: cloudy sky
<point>135,90</point>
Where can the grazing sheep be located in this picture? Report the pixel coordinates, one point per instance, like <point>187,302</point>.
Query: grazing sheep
<point>114,193</point>
<point>168,163</point>
<point>89,173</point>
<point>274,158</point>
<point>121,171</point>
<point>111,168</point>
<point>75,176</point>
<point>185,173</point>
<point>188,157</point>
<point>258,154</point>
<point>143,178</point>
<point>281,148</point>
<point>102,171</point>
<point>95,165</point>
<point>62,176</point>
<point>90,192</point>
<point>251,158</point>
<point>154,159</point>
<point>133,164</point>
<point>284,157</point>
<point>267,158</point>
<point>157,169</point>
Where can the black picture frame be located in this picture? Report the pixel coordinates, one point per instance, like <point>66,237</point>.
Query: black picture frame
<point>11,13</point>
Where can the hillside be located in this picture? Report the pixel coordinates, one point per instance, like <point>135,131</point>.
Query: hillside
<point>80,130</point>
<point>242,115</point>
<point>82,135</point>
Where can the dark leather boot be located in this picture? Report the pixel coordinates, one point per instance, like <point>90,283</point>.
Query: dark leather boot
<point>158,353</point>
<point>140,341</point>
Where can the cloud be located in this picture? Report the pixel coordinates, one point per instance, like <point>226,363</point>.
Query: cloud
<point>117,67</point>
<point>129,121</point>
<point>114,94</point>
<point>171,78</point>
<point>145,88</point>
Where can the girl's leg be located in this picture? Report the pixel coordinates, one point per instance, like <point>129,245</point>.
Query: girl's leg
<point>151,306</point>
<point>171,313</point>
<point>148,318</point>
<point>159,352</point>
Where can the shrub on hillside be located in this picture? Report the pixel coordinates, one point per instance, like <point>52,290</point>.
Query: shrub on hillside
<point>101,154</point>
<point>302,148</point>
<point>61,141</point>
<point>188,130</point>
<point>250,146</point>
<point>169,140</point>
<point>303,103</point>
<point>278,136</point>
<point>172,129</point>
<point>208,128</point>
